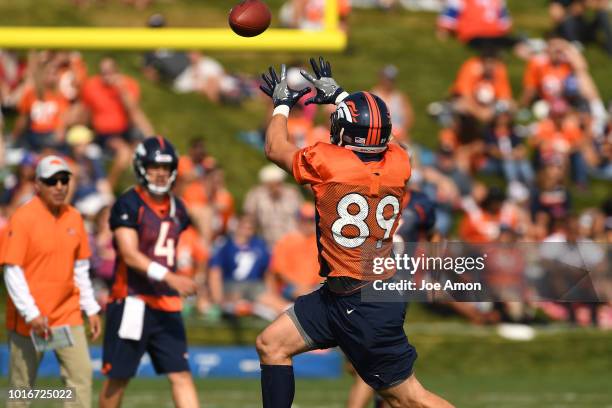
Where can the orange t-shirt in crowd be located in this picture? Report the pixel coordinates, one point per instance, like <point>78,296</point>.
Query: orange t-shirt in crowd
<point>479,227</point>
<point>45,114</point>
<point>108,115</point>
<point>551,140</point>
<point>298,129</point>
<point>358,205</point>
<point>295,259</point>
<point>46,247</point>
<point>315,10</point>
<point>470,80</point>
<point>186,165</point>
<point>545,77</point>
<point>190,252</point>
<point>223,201</point>
<point>470,19</point>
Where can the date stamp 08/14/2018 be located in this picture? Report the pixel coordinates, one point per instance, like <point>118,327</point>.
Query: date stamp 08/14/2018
<point>32,394</point>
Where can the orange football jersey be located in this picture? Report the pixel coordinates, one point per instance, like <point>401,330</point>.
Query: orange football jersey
<point>358,205</point>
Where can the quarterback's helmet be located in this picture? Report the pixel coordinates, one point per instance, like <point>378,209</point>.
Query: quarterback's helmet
<point>155,150</point>
<point>362,123</point>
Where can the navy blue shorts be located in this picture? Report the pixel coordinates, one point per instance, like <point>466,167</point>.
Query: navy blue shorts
<point>163,337</point>
<point>371,334</point>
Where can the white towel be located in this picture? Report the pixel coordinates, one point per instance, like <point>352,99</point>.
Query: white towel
<point>132,319</point>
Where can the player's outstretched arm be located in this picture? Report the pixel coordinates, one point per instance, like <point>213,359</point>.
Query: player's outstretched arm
<point>277,147</point>
<point>127,245</point>
<point>328,90</point>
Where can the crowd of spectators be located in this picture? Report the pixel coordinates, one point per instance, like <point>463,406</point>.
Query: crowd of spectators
<point>550,141</point>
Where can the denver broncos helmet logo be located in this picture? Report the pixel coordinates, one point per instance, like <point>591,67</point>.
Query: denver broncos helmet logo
<point>353,110</point>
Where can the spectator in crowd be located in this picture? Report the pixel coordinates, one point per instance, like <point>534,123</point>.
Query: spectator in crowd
<point>602,159</point>
<point>273,204</point>
<point>570,21</point>
<point>221,201</point>
<point>72,73</point>
<point>546,74</point>
<point>300,126</point>
<point>238,274</point>
<point>400,107</point>
<point>48,282</point>
<point>112,100</point>
<point>42,108</point>
<point>476,23</point>
<point>189,71</point>
<point>505,276</point>
<point>505,151</point>
<point>295,257</point>
<point>482,221</point>
<point>310,14</point>
<point>191,254</point>
<point>562,73</point>
<point>565,256</point>
<point>92,191</point>
<point>561,137</point>
<point>195,164</point>
<point>191,258</point>
<point>446,166</point>
<point>201,184</point>
<point>12,84</point>
<point>481,86</point>
<point>440,188</point>
<point>551,198</point>
<point>22,187</point>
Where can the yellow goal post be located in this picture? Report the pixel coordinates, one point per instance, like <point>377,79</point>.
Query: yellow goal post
<point>330,38</point>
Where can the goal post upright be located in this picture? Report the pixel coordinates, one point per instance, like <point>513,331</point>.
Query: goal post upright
<point>330,39</point>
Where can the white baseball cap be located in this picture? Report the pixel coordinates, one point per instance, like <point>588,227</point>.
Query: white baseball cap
<point>51,165</point>
<point>271,173</point>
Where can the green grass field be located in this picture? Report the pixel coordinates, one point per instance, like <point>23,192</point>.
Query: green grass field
<point>470,366</point>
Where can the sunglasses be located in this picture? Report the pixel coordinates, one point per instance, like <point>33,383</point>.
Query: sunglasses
<point>52,181</point>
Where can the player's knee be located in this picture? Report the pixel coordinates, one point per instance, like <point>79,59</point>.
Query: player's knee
<point>179,379</point>
<point>114,385</point>
<point>269,349</point>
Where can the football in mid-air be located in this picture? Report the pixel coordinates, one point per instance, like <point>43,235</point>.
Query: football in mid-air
<point>249,18</point>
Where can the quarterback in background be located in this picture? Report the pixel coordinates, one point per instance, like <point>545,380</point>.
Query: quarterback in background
<point>145,309</point>
<point>358,181</point>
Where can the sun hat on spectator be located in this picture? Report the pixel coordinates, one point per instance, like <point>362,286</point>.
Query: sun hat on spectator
<point>78,135</point>
<point>271,174</point>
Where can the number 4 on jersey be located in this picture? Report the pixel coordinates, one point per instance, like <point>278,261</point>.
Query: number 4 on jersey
<point>164,245</point>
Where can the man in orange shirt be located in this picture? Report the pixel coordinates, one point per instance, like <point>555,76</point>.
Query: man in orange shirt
<point>478,23</point>
<point>546,74</point>
<point>481,83</point>
<point>41,112</point>
<point>46,270</point>
<point>116,117</point>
